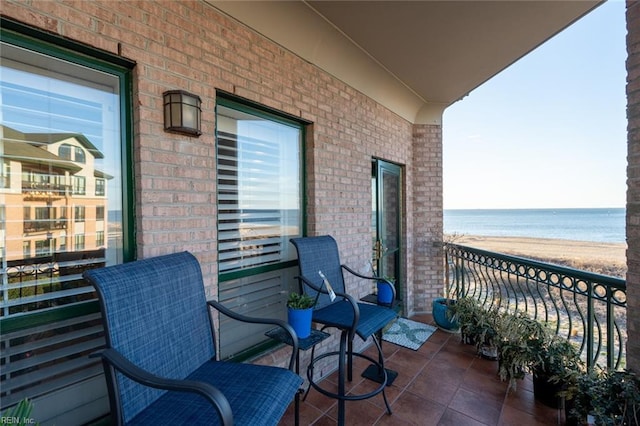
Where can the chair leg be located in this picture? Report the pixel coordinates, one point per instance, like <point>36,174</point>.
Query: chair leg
<point>313,351</point>
<point>383,372</point>
<point>341,384</point>
<point>297,408</point>
<point>350,361</point>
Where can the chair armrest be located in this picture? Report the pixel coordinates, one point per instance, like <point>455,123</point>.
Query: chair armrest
<point>255,320</point>
<point>126,367</point>
<point>347,297</point>
<point>378,279</point>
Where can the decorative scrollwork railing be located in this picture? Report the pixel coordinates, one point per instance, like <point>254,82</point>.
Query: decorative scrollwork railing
<point>588,309</point>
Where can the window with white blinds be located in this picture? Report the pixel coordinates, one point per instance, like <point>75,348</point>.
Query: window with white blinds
<point>259,168</point>
<point>60,128</point>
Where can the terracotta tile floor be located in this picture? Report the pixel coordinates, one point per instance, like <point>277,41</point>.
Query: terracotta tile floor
<point>442,383</point>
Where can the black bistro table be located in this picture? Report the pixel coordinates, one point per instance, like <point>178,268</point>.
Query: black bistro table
<point>278,334</point>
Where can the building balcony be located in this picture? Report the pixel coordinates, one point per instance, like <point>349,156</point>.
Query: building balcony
<point>41,191</point>
<point>442,383</point>
<point>445,382</point>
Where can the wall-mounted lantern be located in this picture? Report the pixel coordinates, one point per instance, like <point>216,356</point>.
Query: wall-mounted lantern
<point>182,112</point>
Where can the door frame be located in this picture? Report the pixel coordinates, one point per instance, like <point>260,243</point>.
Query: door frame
<point>379,166</point>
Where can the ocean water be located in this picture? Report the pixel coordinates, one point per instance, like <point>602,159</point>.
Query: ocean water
<point>600,225</point>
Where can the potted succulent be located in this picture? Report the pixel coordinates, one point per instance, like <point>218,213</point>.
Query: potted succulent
<point>299,313</point>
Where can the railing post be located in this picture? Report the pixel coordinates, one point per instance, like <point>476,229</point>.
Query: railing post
<point>610,326</point>
<point>460,267</point>
<point>589,330</point>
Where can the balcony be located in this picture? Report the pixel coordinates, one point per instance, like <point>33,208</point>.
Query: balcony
<point>43,191</point>
<point>588,309</point>
<point>446,382</point>
<point>442,383</point>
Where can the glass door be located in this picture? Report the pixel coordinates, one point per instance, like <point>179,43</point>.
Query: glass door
<point>386,188</point>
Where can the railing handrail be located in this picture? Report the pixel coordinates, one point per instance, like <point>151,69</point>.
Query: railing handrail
<point>615,282</point>
<point>578,301</point>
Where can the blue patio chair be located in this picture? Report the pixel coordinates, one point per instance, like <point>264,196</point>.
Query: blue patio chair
<point>319,259</point>
<point>160,361</point>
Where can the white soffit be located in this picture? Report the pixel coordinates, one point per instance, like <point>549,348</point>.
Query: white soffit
<point>414,57</point>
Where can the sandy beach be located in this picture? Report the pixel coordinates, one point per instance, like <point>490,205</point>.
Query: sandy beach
<point>602,258</point>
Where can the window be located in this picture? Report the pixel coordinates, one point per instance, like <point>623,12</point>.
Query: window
<point>79,185</point>
<point>65,151</point>
<point>100,238</point>
<point>99,212</point>
<point>78,214</point>
<point>100,185</point>
<point>6,174</point>
<point>26,249</point>
<point>43,213</point>
<point>54,103</point>
<point>79,242</point>
<point>259,208</point>
<point>61,223</point>
<point>43,247</point>
<point>79,155</point>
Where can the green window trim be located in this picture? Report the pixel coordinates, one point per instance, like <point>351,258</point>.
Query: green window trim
<point>265,280</point>
<point>28,37</point>
<point>228,100</point>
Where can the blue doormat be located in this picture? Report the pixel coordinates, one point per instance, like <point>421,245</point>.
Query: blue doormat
<point>407,333</point>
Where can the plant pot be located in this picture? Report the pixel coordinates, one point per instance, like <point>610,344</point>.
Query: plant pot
<point>385,294</point>
<point>300,320</point>
<point>468,339</point>
<point>546,391</point>
<point>569,416</point>
<point>489,352</point>
<point>442,315</point>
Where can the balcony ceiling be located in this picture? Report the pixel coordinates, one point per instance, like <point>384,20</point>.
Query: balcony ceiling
<point>415,57</point>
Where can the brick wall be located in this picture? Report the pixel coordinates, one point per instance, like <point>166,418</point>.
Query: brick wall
<point>189,45</point>
<point>426,237</point>
<point>633,182</point>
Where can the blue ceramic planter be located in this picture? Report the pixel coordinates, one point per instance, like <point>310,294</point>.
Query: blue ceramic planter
<point>442,316</point>
<point>385,294</point>
<point>300,320</point>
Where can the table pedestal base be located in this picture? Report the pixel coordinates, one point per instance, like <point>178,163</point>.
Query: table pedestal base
<point>373,372</point>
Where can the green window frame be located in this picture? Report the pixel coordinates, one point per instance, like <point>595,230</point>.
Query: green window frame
<point>260,195</point>
<point>52,315</point>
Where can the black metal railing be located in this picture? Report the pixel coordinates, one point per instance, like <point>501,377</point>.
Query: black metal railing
<point>588,309</point>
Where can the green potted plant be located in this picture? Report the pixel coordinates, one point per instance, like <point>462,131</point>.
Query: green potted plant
<point>556,369</point>
<point>443,308</point>
<point>520,346</point>
<point>466,312</point>
<point>478,326</point>
<point>299,313</point>
<point>608,398</point>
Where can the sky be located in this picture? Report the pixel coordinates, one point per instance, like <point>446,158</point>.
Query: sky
<point>550,130</point>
